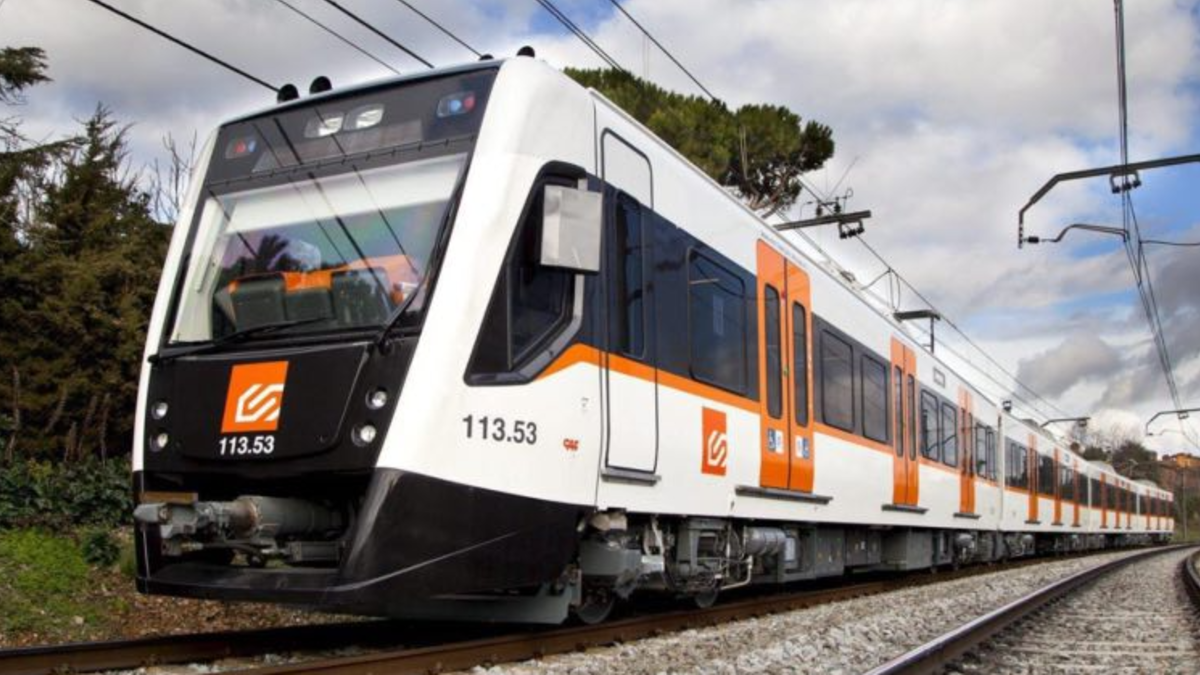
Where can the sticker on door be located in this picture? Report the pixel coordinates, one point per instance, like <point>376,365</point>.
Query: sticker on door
<point>715,444</point>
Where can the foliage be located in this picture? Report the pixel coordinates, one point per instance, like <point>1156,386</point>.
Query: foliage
<point>100,547</point>
<point>20,68</point>
<point>62,496</point>
<point>80,255</point>
<point>760,151</point>
<point>43,579</point>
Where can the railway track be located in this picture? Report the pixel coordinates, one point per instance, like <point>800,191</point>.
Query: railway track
<point>1109,618</point>
<point>405,647</point>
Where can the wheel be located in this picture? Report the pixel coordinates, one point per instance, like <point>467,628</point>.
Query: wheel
<point>596,606</point>
<point>706,599</point>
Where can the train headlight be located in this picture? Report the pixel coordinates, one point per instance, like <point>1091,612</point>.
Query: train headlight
<point>377,399</point>
<point>161,440</point>
<point>365,434</point>
<point>160,410</point>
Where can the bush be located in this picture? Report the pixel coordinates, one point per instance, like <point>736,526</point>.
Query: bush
<point>64,496</point>
<point>100,548</point>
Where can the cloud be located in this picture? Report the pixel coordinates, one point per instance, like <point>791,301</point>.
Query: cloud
<point>1076,359</point>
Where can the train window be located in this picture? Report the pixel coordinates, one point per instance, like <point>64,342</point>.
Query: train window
<point>774,357</point>
<point>1045,475</point>
<point>949,435</point>
<point>991,453</point>
<point>530,304</point>
<point>930,436</point>
<point>874,399</point>
<point>629,286</point>
<point>898,410</point>
<point>912,416</point>
<point>717,323</point>
<point>800,365</point>
<point>1067,483</point>
<point>837,381</point>
<point>981,465</point>
<point>1094,497</point>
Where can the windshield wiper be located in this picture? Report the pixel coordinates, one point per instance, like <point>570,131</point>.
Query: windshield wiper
<point>236,336</point>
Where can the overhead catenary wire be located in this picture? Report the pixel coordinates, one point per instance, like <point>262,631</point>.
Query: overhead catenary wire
<point>554,11</point>
<point>664,50</point>
<point>345,40</point>
<point>440,27</point>
<point>366,24</point>
<point>195,50</point>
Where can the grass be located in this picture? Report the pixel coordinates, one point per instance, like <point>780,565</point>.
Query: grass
<point>46,586</point>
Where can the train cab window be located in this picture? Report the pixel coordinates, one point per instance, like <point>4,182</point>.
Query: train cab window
<point>949,435</point>
<point>629,290</point>
<point>800,365</point>
<point>530,304</point>
<point>931,438</point>
<point>717,323</point>
<point>874,399</point>
<point>774,356</point>
<point>837,381</point>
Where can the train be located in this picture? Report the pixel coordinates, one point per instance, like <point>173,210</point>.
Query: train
<point>475,344</point>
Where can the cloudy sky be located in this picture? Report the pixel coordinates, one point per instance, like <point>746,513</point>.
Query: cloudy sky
<point>947,114</point>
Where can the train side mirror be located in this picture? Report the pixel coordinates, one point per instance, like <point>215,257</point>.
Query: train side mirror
<point>571,225</point>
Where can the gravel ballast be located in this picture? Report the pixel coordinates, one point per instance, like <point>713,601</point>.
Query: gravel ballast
<point>1138,620</point>
<point>844,637</point>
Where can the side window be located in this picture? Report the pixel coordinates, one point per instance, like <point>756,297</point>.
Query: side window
<point>912,416</point>
<point>874,399</point>
<point>717,323</point>
<point>930,437</point>
<point>800,367</point>
<point>1045,475</point>
<point>774,352</point>
<point>837,382</point>
<point>898,409</point>
<point>529,304</point>
<point>949,435</point>
<point>991,453</point>
<point>1094,499</point>
<point>630,291</point>
<point>980,451</point>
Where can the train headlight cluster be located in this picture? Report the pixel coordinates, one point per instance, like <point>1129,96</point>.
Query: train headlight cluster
<point>161,440</point>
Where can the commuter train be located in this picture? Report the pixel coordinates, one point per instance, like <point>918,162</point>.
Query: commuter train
<point>475,344</point>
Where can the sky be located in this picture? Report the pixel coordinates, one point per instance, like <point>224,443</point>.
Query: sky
<point>948,115</point>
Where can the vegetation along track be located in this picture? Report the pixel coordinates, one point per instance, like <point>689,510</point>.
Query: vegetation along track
<point>433,647</point>
<point>1107,617</point>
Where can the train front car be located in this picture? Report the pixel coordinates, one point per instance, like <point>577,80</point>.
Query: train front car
<point>301,435</point>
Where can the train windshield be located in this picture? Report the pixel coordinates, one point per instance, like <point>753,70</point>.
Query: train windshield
<point>326,217</point>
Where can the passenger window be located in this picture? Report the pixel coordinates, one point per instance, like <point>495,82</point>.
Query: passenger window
<point>912,417</point>
<point>717,318</point>
<point>874,399</point>
<point>837,381</point>
<point>530,303</point>
<point>800,369</point>
<point>898,409</point>
<point>930,436</point>
<point>980,451</point>
<point>774,357</point>
<point>629,287</point>
<point>949,435</point>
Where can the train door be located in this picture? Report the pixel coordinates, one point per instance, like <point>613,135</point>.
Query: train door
<point>784,326</point>
<point>905,469</point>
<point>1033,479</point>
<point>966,470</point>
<point>630,377</point>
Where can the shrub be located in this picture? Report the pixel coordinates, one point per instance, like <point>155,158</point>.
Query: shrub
<point>100,547</point>
<point>63,496</point>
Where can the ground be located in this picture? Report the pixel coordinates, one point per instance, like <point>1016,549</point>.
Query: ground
<point>50,594</point>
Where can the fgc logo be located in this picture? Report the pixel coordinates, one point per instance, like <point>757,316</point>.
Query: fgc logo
<point>714,443</point>
<point>255,397</point>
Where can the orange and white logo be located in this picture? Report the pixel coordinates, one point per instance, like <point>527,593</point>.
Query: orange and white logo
<point>715,446</point>
<point>255,397</point>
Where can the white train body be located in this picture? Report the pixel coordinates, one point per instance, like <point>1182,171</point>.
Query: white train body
<point>572,432</point>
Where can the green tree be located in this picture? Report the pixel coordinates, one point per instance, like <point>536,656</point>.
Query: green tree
<point>760,151</point>
<point>20,68</point>
<point>80,255</point>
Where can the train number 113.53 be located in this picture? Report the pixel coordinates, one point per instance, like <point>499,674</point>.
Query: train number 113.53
<point>500,429</point>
